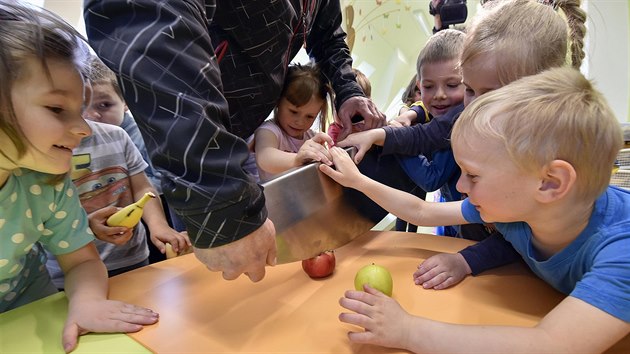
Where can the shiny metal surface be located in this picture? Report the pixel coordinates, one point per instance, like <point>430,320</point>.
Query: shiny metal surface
<point>311,214</point>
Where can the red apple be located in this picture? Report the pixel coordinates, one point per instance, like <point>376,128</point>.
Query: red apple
<point>320,266</point>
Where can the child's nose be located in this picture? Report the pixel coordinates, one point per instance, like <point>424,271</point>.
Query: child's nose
<point>80,127</point>
<point>91,114</point>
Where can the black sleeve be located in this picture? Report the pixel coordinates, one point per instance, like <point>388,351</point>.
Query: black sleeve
<point>422,139</point>
<point>326,43</point>
<point>164,59</point>
<point>489,253</point>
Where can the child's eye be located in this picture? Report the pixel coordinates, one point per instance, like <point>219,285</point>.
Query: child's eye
<point>55,110</point>
<point>453,85</point>
<point>104,105</point>
<point>471,177</point>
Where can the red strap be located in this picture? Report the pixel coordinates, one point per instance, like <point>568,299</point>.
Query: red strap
<point>220,50</point>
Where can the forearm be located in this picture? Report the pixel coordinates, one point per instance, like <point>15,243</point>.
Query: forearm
<point>439,337</point>
<point>409,207</point>
<point>87,280</point>
<point>275,161</point>
<point>326,43</point>
<point>422,139</point>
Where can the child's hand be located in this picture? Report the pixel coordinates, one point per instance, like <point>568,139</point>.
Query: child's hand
<point>346,172</point>
<point>363,141</point>
<point>385,322</point>
<point>178,240</point>
<point>404,120</point>
<point>118,235</point>
<point>314,149</point>
<point>441,271</point>
<point>105,316</point>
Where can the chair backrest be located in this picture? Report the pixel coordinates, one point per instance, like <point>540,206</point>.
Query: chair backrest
<point>621,178</point>
<point>623,159</point>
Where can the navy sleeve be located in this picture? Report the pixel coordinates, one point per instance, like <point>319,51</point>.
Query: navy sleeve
<point>489,253</point>
<point>165,62</point>
<point>422,139</point>
<point>430,175</point>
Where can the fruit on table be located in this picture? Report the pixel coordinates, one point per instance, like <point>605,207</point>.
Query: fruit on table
<point>377,277</point>
<point>130,215</point>
<point>321,265</point>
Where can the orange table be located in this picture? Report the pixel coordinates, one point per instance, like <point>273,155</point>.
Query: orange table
<point>287,312</point>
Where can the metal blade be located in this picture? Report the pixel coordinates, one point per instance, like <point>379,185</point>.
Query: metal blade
<point>311,214</point>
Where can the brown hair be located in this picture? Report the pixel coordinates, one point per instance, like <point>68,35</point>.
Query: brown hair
<point>442,46</point>
<point>28,32</point>
<point>302,82</point>
<point>364,82</point>
<point>99,73</point>
<point>572,119</point>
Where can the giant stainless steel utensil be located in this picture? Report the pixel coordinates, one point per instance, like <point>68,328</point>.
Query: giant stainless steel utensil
<point>311,213</point>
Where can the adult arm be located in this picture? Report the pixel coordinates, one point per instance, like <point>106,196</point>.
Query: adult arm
<point>165,62</point>
<point>326,43</point>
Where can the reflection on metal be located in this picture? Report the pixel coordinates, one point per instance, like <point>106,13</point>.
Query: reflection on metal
<point>311,214</point>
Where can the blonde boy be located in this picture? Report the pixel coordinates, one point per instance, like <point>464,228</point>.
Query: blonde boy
<point>536,157</point>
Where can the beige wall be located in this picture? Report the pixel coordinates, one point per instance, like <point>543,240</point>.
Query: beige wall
<point>388,35</point>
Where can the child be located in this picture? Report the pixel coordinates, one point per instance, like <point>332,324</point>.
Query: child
<point>441,90</point>
<point>537,49</point>
<point>410,96</point>
<point>548,195</point>
<point>108,172</point>
<point>287,140</point>
<point>42,100</point>
<point>108,106</point>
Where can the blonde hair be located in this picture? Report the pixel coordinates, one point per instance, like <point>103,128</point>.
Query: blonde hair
<point>443,46</point>
<point>28,32</point>
<point>555,115</point>
<point>99,73</point>
<point>301,83</point>
<point>364,82</point>
<point>527,37</point>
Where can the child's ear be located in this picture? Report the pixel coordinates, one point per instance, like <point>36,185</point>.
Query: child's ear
<point>558,179</point>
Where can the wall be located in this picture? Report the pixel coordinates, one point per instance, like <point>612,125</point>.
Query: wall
<point>388,35</point>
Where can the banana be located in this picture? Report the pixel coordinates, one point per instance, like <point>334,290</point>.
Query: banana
<point>130,215</point>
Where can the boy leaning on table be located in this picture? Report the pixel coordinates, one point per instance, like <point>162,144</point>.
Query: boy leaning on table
<point>536,157</point>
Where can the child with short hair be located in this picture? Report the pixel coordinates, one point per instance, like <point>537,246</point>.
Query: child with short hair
<point>439,78</point>
<point>509,44</point>
<point>108,106</point>
<point>287,140</point>
<point>547,193</point>
<point>41,100</point>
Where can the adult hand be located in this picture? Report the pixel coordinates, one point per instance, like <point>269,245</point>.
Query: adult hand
<point>248,255</point>
<point>117,235</point>
<point>363,141</point>
<point>441,271</point>
<point>357,105</point>
<point>315,149</point>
